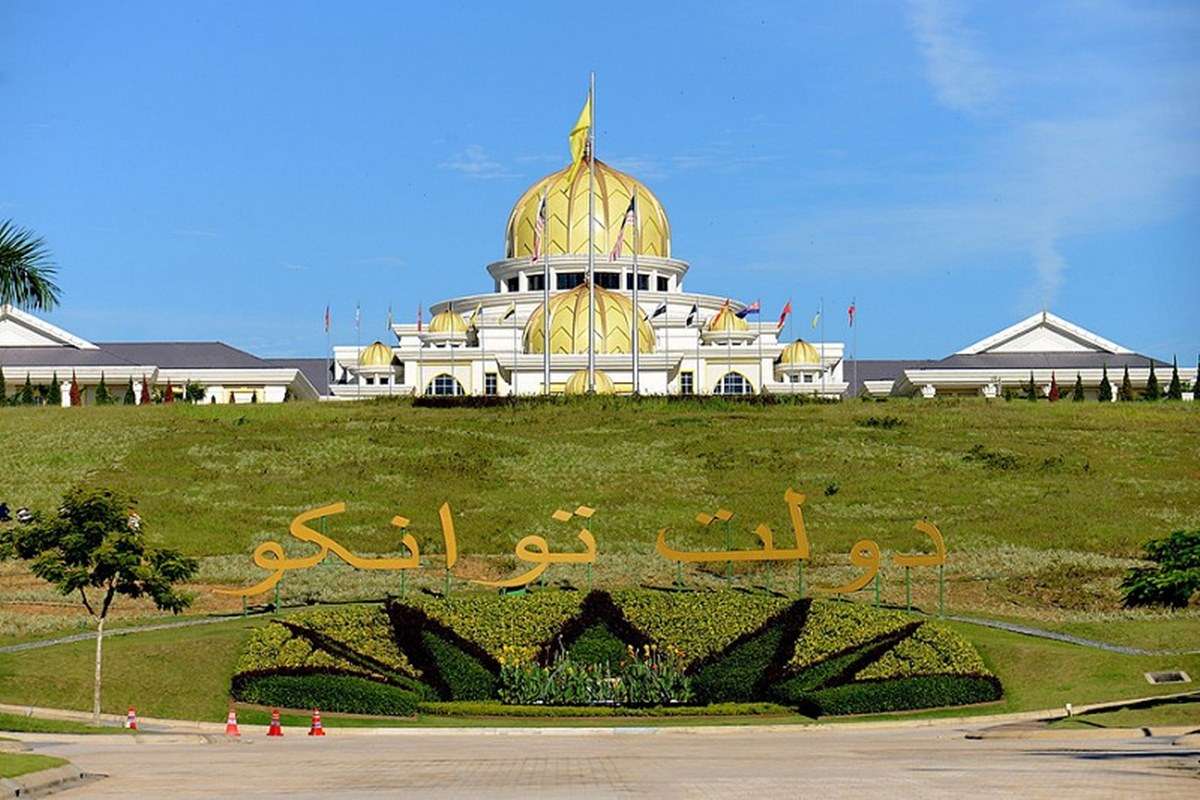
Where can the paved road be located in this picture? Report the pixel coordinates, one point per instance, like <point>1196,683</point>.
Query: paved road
<point>759,763</point>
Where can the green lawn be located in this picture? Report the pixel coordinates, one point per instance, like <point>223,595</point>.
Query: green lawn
<point>19,723</point>
<point>1166,714</point>
<point>13,765</point>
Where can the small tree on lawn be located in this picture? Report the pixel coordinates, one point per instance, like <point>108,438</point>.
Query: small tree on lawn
<point>1175,576</point>
<point>130,398</point>
<point>1077,392</point>
<point>1053,389</point>
<point>169,393</point>
<point>1125,393</point>
<point>145,398</point>
<point>193,392</point>
<point>1104,395</point>
<point>1174,388</point>
<point>3,388</point>
<point>76,395</point>
<point>1031,389</point>
<point>94,546</point>
<point>1153,391</point>
<point>54,392</point>
<point>25,396</point>
<point>1196,382</point>
<point>103,398</point>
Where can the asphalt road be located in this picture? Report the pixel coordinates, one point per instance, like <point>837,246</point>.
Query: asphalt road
<point>760,763</point>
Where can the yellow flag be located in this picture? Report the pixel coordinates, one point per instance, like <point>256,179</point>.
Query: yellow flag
<point>475,315</point>
<point>578,138</point>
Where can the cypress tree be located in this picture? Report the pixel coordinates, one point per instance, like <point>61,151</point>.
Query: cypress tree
<point>1196,382</point>
<point>54,393</point>
<point>76,394</point>
<point>102,397</point>
<point>1054,395</point>
<point>1077,392</point>
<point>3,388</point>
<point>25,396</point>
<point>1104,395</point>
<point>1031,389</point>
<point>1152,392</point>
<point>1174,389</point>
<point>1125,393</point>
<point>144,400</point>
<point>130,398</point>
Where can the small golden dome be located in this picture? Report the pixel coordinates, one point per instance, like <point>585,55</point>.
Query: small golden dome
<point>569,324</point>
<point>448,321</point>
<point>377,355</point>
<point>567,211</point>
<point>799,353</point>
<point>578,383</point>
<point>726,321</point>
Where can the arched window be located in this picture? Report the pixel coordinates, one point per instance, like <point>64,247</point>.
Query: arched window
<point>444,386</point>
<point>733,383</point>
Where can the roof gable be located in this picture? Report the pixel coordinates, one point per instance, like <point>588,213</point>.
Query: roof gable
<point>1044,333</point>
<point>21,329</point>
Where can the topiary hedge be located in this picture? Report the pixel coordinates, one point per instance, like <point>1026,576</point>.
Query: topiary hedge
<point>351,694</point>
<point>903,694</point>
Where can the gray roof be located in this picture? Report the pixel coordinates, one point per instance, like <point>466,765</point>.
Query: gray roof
<point>168,355</point>
<point>1045,360</point>
<point>315,369</point>
<point>60,357</point>
<point>877,370</point>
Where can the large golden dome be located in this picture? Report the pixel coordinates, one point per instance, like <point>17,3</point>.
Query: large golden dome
<point>567,211</point>
<point>798,353</point>
<point>578,383</point>
<point>448,321</point>
<point>377,355</point>
<point>569,324</point>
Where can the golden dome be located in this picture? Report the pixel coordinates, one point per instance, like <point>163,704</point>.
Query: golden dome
<point>569,324</point>
<point>726,321</point>
<point>448,321</point>
<point>377,355</point>
<point>567,210</point>
<point>578,383</point>
<point>799,352</point>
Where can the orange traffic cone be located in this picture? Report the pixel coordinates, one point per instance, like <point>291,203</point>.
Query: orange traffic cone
<point>231,728</point>
<point>131,719</point>
<point>275,729</point>
<point>317,729</point>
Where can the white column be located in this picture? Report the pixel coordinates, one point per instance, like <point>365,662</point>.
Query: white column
<point>65,390</point>
<point>137,392</point>
<point>928,391</point>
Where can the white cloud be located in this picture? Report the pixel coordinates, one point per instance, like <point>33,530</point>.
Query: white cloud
<point>474,162</point>
<point>962,77</point>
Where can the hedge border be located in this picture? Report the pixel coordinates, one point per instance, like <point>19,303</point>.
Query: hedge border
<point>602,609</point>
<point>408,625</point>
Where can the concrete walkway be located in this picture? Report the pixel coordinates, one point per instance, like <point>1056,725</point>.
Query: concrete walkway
<point>1069,639</point>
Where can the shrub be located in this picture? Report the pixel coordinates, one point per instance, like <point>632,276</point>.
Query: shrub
<point>1125,393</point>
<point>597,645</point>
<point>1077,395</point>
<point>925,691</point>
<point>651,676</point>
<point>1173,579</point>
<point>465,677</point>
<point>349,694</point>
<point>833,627</point>
<point>103,398</point>
<point>364,630</point>
<point>931,650</point>
<point>992,459</point>
<point>1152,390</point>
<point>275,647</point>
<point>493,622</point>
<point>739,674</point>
<point>1174,388</point>
<point>1105,393</point>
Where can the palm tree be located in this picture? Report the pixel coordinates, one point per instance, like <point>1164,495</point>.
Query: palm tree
<point>26,272</point>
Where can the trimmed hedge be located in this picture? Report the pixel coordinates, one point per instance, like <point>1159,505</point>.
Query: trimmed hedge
<point>493,708</point>
<point>493,622</point>
<point>931,650</point>
<point>736,676</point>
<point>597,645</point>
<point>836,627</point>
<point>329,692</point>
<point>903,694</point>
<point>465,677</point>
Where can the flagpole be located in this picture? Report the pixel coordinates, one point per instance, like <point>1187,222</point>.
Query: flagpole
<point>761,388</point>
<point>699,327</point>
<point>482,350</point>
<point>420,385</point>
<point>666,326</point>
<point>822,347</point>
<point>514,374</point>
<point>637,312</point>
<point>591,262</point>
<point>854,305</point>
<point>545,254</point>
<point>328,350</point>
<point>358,352</point>
<point>450,344</point>
<point>728,344</point>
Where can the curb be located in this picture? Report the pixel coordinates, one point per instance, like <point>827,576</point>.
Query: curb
<point>47,781</point>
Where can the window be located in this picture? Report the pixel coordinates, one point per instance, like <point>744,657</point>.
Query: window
<point>370,380</point>
<point>608,280</point>
<point>664,284</point>
<point>536,282</point>
<point>568,280</point>
<point>489,384</point>
<point>444,386</point>
<point>383,381</point>
<point>733,383</point>
<point>643,281</point>
<point>686,386</point>
<point>808,377</point>
<point>513,284</point>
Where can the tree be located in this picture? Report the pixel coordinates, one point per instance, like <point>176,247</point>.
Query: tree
<point>1104,395</point>
<point>54,391</point>
<point>1175,576</point>
<point>1125,393</point>
<point>193,392</point>
<point>1077,392</point>
<point>3,388</point>
<point>145,398</point>
<point>26,271</point>
<point>1152,391</point>
<point>76,395</point>
<point>1053,395</point>
<point>1174,388</point>
<point>102,396</point>
<point>94,546</point>
<point>169,393</point>
<point>1031,389</point>
<point>130,399</point>
<point>25,396</point>
<point>1196,382</point>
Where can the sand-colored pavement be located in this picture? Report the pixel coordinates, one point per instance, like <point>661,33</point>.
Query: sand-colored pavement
<point>927,762</point>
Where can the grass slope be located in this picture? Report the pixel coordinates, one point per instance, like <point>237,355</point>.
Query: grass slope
<point>13,765</point>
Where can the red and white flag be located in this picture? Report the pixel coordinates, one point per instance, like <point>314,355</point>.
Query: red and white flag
<point>327,320</point>
<point>539,229</point>
<point>630,219</point>
<point>783,315</point>
<point>418,318</point>
<point>850,313</point>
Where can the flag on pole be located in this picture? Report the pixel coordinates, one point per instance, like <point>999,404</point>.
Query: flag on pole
<point>693,315</point>
<point>630,219</point>
<point>816,320</point>
<point>389,322</point>
<point>357,316</point>
<point>783,315</point>
<point>850,313</point>
<point>508,312</point>
<point>539,229</point>
<point>753,308</point>
<point>327,318</point>
<point>419,309</point>
<point>578,138</point>
<point>471,323</point>
<point>658,312</point>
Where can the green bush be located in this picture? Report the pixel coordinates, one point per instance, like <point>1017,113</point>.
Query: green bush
<point>597,645</point>
<point>651,676</point>
<point>463,675</point>
<point>274,647</point>
<point>931,650</point>
<point>1175,576</point>
<point>493,622</point>
<point>492,708</point>
<point>738,674</point>
<point>924,691</point>
<point>365,630</point>
<point>835,627</point>
<point>329,692</point>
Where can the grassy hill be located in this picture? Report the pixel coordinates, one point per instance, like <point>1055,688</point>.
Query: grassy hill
<point>1041,504</point>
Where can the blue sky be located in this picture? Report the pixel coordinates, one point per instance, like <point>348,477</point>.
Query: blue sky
<point>222,170</point>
